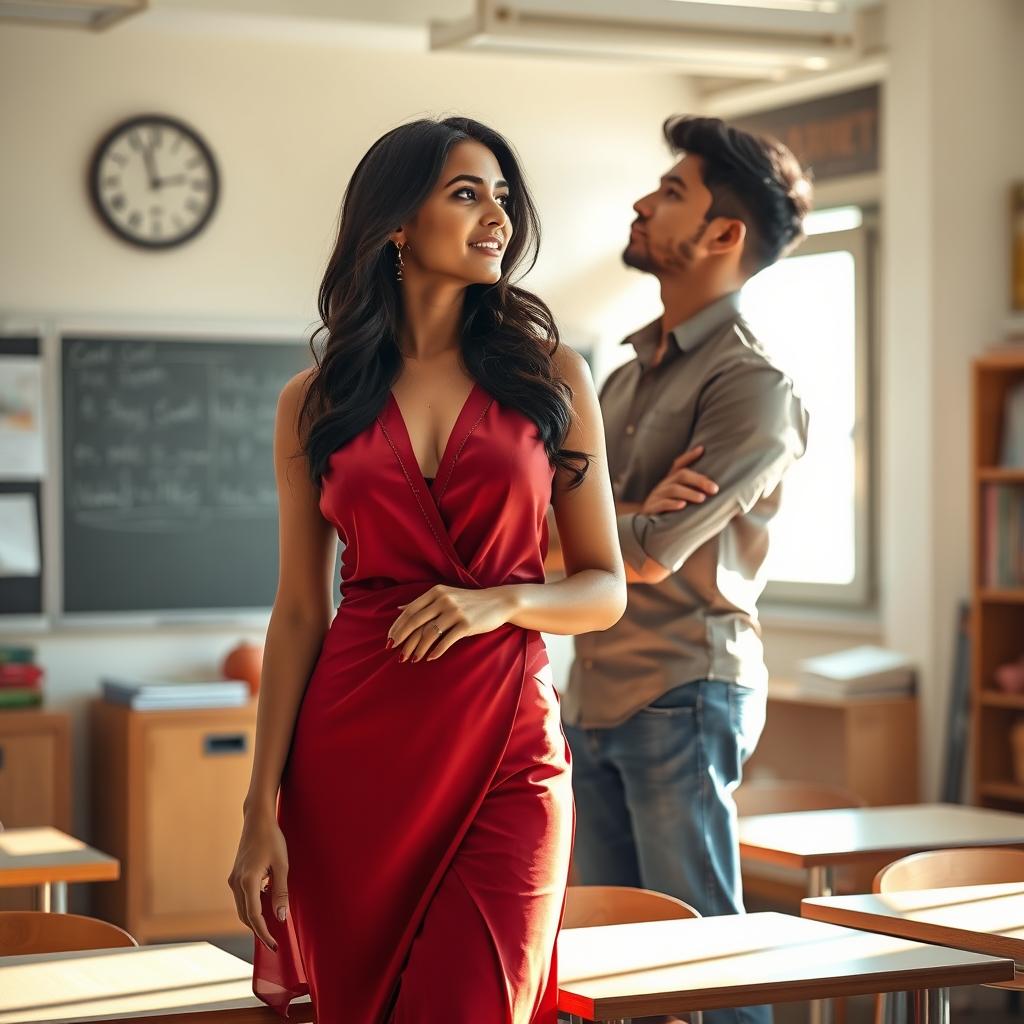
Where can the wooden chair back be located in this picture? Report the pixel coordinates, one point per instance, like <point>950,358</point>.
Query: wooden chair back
<point>590,905</point>
<point>784,796</point>
<point>939,869</point>
<point>24,932</point>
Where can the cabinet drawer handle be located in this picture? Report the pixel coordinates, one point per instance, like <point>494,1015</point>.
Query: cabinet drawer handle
<point>230,743</point>
<point>1,759</point>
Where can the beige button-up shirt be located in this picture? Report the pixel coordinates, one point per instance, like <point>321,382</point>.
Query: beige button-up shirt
<point>715,387</point>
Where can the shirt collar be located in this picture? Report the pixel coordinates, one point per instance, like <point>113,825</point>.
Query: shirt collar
<point>690,333</point>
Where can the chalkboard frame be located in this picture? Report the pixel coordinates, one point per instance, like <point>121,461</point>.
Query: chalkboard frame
<point>168,332</point>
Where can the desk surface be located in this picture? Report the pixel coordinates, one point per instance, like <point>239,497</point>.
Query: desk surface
<point>190,982</point>
<point>34,856</point>
<point>983,918</point>
<point>810,838</point>
<point>630,970</point>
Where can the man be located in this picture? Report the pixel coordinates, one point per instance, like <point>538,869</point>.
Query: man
<point>663,709</point>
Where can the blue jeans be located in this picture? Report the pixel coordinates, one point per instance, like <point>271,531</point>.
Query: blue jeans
<point>654,805</point>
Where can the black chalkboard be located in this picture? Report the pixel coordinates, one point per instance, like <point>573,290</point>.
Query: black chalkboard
<point>169,501</point>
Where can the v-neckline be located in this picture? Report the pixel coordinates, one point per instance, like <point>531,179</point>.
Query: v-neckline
<point>439,480</point>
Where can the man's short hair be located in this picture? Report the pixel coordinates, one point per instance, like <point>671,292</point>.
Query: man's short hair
<point>752,178</point>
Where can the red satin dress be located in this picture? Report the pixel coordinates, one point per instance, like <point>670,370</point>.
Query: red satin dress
<point>427,806</point>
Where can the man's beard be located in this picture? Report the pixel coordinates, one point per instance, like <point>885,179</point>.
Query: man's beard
<point>639,258</point>
<point>680,258</point>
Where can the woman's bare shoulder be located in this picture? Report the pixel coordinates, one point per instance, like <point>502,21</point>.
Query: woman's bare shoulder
<point>294,391</point>
<point>570,366</point>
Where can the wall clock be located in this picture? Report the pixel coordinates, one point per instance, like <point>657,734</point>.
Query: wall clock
<point>154,181</point>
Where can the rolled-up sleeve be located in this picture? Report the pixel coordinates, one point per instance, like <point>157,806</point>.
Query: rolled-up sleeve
<point>752,427</point>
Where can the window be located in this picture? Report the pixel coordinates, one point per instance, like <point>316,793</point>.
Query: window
<point>812,312</point>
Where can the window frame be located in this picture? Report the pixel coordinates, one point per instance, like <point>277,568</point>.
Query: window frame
<point>860,593</point>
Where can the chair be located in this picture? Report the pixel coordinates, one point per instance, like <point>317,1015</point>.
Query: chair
<point>941,869</point>
<point>589,905</point>
<point>778,887</point>
<point>784,795</point>
<point>25,932</point>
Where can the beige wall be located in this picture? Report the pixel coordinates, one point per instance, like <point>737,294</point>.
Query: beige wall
<point>953,145</point>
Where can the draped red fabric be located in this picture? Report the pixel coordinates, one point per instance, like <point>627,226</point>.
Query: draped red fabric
<point>427,805</point>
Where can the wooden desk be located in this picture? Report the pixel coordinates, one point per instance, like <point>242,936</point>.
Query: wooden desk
<point>981,918</point>
<point>49,859</point>
<point>185,983</point>
<point>819,840</point>
<point>616,972</point>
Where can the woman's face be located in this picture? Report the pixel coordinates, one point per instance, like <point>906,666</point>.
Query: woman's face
<point>461,231</point>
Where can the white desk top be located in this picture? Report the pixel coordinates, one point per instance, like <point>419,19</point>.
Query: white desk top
<point>806,839</point>
<point>983,918</point>
<point>195,981</point>
<point>657,967</point>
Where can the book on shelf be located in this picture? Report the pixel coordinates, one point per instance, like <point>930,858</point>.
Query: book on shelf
<point>1012,448</point>
<point>857,672</point>
<point>1003,536</point>
<point>20,697</point>
<point>16,654</point>
<point>22,674</point>
<point>151,695</point>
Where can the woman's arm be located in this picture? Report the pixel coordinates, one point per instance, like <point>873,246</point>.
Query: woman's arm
<point>593,593</point>
<point>303,605</point>
<point>301,616</point>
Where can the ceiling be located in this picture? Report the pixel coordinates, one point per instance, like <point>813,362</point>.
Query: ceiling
<point>715,43</point>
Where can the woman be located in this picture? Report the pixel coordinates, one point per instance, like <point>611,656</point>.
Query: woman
<point>410,805</point>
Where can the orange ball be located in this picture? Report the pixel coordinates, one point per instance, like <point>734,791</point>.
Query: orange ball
<point>245,662</point>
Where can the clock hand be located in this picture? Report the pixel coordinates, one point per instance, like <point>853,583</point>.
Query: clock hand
<point>174,179</point>
<point>154,181</point>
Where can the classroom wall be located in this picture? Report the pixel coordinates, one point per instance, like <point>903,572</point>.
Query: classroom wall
<point>952,146</point>
<point>288,114</point>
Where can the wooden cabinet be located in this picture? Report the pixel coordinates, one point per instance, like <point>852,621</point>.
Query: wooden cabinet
<point>865,745</point>
<point>167,800</point>
<point>35,779</point>
<point>997,614</point>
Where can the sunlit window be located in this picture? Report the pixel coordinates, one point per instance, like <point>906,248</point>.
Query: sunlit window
<point>811,313</point>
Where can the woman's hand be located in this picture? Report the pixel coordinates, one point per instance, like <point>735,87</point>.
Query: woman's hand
<point>262,854</point>
<point>443,615</point>
<point>680,486</point>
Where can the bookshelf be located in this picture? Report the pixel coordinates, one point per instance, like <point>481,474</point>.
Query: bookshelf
<point>997,616</point>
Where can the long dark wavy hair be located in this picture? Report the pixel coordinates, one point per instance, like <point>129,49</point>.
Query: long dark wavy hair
<point>509,335</point>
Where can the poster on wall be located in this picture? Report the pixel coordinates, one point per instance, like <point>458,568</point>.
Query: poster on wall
<point>21,418</point>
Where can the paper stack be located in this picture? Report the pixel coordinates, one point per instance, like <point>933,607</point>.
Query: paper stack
<point>20,678</point>
<point>153,696</point>
<point>857,672</point>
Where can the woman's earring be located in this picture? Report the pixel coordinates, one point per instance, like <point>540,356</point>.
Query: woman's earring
<point>400,264</point>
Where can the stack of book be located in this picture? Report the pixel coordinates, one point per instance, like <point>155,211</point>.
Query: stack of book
<point>857,672</point>
<point>20,678</point>
<point>1004,536</point>
<point>142,695</point>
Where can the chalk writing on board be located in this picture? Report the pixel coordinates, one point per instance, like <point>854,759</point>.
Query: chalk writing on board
<point>167,438</point>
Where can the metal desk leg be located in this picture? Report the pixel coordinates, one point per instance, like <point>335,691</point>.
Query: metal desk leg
<point>821,882</point>
<point>52,897</point>
<point>930,1007</point>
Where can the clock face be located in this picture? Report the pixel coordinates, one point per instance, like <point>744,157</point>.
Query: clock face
<point>154,181</point>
